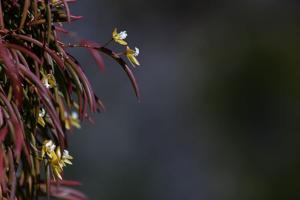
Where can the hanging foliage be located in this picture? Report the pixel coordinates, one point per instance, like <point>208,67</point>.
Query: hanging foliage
<point>43,94</point>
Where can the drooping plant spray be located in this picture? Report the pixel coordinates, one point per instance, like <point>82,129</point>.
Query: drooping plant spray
<point>43,94</point>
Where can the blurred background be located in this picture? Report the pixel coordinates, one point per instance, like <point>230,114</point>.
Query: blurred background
<point>220,110</point>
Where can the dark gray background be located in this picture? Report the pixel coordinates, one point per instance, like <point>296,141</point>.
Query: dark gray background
<point>219,116</point>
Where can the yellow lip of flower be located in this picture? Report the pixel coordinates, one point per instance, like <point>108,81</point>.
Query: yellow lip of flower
<point>48,148</point>
<point>132,54</point>
<point>49,81</point>
<point>119,37</point>
<point>41,116</point>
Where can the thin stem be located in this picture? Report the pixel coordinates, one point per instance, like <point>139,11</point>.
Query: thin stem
<point>1,17</point>
<point>107,43</point>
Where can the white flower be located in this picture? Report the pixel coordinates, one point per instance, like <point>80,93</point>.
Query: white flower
<point>66,158</point>
<point>66,153</point>
<point>72,120</point>
<point>42,113</point>
<point>123,35</point>
<point>46,84</point>
<point>50,146</point>
<point>49,81</point>
<point>132,54</point>
<point>119,37</point>
<point>74,115</point>
<point>137,51</point>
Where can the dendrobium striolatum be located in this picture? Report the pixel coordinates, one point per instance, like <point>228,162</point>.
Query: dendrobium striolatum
<point>44,95</point>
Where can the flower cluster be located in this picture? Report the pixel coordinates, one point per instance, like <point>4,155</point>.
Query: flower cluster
<point>44,93</point>
<point>54,158</point>
<point>130,53</point>
<point>49,81</point>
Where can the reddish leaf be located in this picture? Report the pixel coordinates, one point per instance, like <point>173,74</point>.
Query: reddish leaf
<point>57,59</point>
<point>12,175</point>
<point>12,73</point>
<point>74,18</point>
<point>16,124</point>
<point>1,117</point>
<point>47,102</point>
<point>1,167</point>
<point>23,50</point>
<point>1,17</point>
<point>90,46</point>
<point>65,193</point>
<point>61,29</point>
<point>3,133</point>
<point>85,82</point>
<point>67,10</point>
<point>24,14</point>
<point>125,68</point>
<point>65,183</point>
<point>98,58</point>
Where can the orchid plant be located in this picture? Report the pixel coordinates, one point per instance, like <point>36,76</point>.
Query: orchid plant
<point>44,93</point>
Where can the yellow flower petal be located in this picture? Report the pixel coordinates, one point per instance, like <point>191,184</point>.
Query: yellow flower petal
<point>41,121</point>
<point>122,42</point>
<point>68,162</point>
<point>58,152</point>
<point>131,55</point>
<point>57,172</point>
<point>49,81</point>
<point>75,122</point>
<point>56,159</point>
<point>115,33</point>
<point>133,60</point>
<point>119,37</point>
<point>41,116</point>
<point>72,120</point>
<point>67,124</point>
